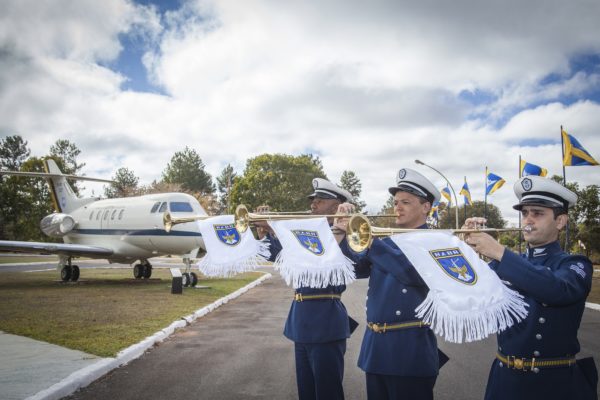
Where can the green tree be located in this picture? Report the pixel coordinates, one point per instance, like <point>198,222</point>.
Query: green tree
<point>351,183</point>
<point>35,203</point>
<point>225,182</point>
<point>13,153</point>
<point>65,154</point>
<point>387,208</point>
<point>187,169</point>
<point>448,217</point>
<point>279,180</point>
<point>125,184</point>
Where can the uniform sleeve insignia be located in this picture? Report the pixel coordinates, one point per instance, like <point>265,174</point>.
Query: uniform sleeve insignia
<point>310,241</point>
<point>227,234</point>
<point>455,265</point>
<point>579,269</point>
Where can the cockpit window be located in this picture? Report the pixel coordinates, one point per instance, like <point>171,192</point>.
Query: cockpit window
<point>112,216</point>
<point>155,207</point>
<point>163,207</point>
<point>180,206</point>
<point>121,214</point>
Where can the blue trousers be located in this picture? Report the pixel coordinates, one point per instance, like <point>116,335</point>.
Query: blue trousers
<point>320,370</point>
<point>384,387</point>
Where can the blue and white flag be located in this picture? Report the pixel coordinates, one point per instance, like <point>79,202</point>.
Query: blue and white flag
<point>228,251</point>
<point>310,255</point>
<point>466,301</point>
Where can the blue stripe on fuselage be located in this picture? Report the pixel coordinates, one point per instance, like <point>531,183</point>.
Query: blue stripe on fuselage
<point>129,232</point>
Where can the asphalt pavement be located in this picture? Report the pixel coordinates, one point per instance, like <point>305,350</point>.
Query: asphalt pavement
<point>239,352</point>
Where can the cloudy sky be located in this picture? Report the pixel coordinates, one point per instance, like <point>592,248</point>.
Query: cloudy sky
<point>366,86</point>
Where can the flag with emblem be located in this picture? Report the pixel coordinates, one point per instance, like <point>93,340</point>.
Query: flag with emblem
<point>466,193</point>
<point>466,300</point>
<point>532,169</point>
<point>228,251</point>
<point>433,213</point>
<point>310,255</point>
<point>493,183</point>
<point>574,153</point>
<point>447,195</point>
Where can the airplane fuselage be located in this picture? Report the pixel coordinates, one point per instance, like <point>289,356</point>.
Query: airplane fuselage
<point>133,227</point>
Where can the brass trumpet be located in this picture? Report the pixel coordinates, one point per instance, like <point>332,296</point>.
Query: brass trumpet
<point>360,232</point>
<point>169,221</point>
<point>243,218</point>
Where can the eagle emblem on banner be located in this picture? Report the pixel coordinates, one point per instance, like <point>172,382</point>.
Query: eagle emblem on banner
<point>455,265</point>
<point>227,234</point>
<point>310,241</point>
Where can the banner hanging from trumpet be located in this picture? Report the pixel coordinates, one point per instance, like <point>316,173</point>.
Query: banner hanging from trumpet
<point>310,255</point>
<point>228,251</point>
<point>466,300</point>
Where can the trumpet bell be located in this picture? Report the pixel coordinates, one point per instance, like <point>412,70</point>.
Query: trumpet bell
<point>242,218</point>
<point>358,233</point>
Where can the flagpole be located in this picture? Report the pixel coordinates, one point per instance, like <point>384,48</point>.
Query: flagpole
<point>562,147</point>
<point>465,205</point>
<point>485,191</point>
<point>520,235</point>
<point>449,184</point>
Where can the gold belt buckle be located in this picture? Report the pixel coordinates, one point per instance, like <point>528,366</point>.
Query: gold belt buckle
<point>517,363</point>
<point>298,297</point>
<point>375,328</point>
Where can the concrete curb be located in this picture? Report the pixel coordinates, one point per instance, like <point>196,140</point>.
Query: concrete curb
<point>593,306</point>
<point>89,374</point>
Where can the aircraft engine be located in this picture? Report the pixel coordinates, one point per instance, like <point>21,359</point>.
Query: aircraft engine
<point>57,225</point>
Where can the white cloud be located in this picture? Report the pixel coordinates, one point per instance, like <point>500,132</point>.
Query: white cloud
<point>368,86</point>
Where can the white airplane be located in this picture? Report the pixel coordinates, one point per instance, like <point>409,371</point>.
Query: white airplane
<point>123,230</point>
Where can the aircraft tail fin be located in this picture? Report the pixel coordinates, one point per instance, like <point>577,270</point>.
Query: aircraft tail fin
<point>63,197</point>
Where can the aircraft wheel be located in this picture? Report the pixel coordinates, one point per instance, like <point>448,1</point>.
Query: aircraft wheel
<point>75,273</point>
<point>147,271</point>
<point>138,271</point>
<point>193,278</point>
<point>65,273</point>
<point>185,279</point>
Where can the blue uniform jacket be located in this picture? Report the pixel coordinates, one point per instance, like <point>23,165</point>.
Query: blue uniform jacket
<point>395,290</point>
<point>314,321</point>
<point>555,285</point>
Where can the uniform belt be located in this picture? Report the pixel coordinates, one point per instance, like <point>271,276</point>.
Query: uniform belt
<point>326,296</point>
<point>532,363</point>
<point>383,328</point>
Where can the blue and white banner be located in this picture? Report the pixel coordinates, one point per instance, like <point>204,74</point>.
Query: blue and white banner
<point>466,301</point>
<point>310,255</point>
<point>228,251</point>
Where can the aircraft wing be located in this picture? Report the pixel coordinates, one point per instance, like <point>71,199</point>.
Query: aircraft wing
<point>76,250</point>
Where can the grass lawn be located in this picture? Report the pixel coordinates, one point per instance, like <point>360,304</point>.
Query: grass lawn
<point>103,313</point>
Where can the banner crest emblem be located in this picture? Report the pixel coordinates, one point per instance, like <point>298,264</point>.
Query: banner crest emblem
<point>227,234</point>
<point>310,241</point>
<point>455,265</point>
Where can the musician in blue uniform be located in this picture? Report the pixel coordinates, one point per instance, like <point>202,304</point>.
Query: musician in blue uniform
<point>318,322</point>
<point>399,352</point>
<point>536,358</point>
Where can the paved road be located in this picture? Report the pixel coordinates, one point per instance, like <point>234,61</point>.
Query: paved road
<point>238,352</point>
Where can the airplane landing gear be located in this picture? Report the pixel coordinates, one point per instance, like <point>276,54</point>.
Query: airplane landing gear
<point>138,271</point>
<point>142,270</point>
<point>65,273</point>
<point>68,272</point>
<point>189,278</point>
